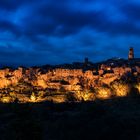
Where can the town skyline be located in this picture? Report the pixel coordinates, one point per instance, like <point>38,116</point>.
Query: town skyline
<point>83,60</point>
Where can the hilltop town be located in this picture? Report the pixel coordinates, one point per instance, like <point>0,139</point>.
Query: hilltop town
<point>68,82</point>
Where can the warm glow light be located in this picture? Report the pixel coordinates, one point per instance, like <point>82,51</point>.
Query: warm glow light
<point>5,99</point>
<point>138,87</point>
<point>120,89</point>
<point>85,95</point>
<point>103,93</point>
<point>33,98</point>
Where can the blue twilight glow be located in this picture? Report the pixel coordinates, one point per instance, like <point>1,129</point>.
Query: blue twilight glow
<point>34,32</point>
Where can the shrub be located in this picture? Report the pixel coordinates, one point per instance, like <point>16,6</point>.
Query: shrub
<point>120,88</point>
<point>71,97</point>
<point>138,86</point>
<point>103,93</point>
<point>33,97</point>
<point>85,96</point>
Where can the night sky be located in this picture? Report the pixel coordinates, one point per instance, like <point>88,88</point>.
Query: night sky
<point>36,32</point>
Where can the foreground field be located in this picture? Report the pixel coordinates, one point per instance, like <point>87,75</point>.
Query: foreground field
<point>117,118</point>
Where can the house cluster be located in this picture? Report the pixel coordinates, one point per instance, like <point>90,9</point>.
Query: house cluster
<point>86,76</point>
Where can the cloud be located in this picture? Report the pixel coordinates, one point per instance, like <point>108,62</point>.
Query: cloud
<point>53,19</point>
<point>51,32</point>
<point>132,11</point>
<point>7,26</point>
<point>12,5</point>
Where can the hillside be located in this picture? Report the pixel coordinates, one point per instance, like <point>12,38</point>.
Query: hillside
<point>113,78</point>
<point>108,119</point>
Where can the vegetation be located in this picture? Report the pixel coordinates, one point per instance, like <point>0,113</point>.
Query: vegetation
<point>25,92</point>
<point>100,112</point>
<point>116,118</point>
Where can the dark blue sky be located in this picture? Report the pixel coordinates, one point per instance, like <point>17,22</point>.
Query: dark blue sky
<point>58,31</point>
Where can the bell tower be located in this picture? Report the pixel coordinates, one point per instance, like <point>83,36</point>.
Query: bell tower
<point>131,53</point>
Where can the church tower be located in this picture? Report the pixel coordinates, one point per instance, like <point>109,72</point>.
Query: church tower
<point>131,53</point>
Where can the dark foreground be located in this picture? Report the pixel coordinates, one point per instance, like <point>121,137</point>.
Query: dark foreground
<point>109,119</point>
